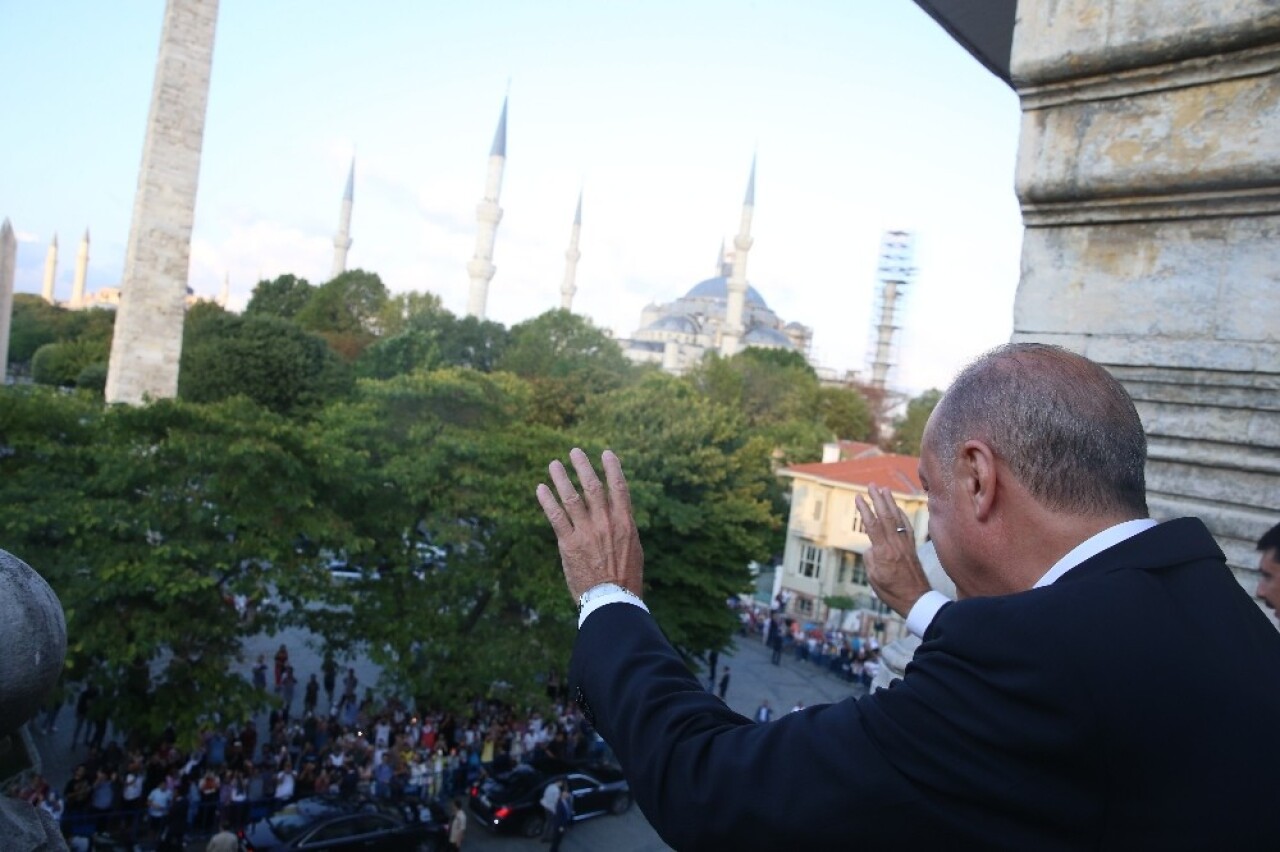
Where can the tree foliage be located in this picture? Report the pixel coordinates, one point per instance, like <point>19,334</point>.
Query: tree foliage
<point>270,360</point>
<point>700,487</point>
<point>908,430</point>
<point>283,297</point>
<point>568,360</point>
<point>146,521</point>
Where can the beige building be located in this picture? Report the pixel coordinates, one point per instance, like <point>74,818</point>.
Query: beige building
<point>826,543</point>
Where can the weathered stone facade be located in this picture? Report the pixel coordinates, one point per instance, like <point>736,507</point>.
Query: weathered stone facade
<point>1149,177</point>
<point>147,344</point>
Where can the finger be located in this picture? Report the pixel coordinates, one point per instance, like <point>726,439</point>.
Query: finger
<point>619,493</point>
<point>864,509</point>
<point>592,489</point>
<point>573,505</point>
<point>886,509</point>
<point>560,524</point>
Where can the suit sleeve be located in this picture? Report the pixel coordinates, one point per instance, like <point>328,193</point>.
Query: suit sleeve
<point>907,765</point>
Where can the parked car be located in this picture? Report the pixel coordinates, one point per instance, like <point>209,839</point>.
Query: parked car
<point>332,823</point>
<point>511,802</point>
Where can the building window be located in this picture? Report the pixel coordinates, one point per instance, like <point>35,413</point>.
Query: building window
<point>804,605</point>
<point>856,565</point>
<point>817,510</point>
<point>857,522</point>
<point>810,560</point>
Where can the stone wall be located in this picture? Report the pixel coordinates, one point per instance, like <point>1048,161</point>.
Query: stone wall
<point>1149,177</point>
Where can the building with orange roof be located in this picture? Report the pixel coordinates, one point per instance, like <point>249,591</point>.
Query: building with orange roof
<point>826,543</point>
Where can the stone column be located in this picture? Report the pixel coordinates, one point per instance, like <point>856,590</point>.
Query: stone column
<point>1149,177</point>
<point>8,267</point>
<point>147,343</point>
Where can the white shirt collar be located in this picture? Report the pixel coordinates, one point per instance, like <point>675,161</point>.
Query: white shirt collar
<point>1094,545</point>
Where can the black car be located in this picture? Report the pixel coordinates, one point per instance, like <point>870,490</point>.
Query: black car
<point>331,823</point>
<point>511,802</point>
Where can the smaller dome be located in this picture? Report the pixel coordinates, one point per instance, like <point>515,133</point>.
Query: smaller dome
<point>675,322</point>
<point>763,336</point>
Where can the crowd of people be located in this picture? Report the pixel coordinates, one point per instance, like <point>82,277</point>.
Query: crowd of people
<point>363,746</point>
<point>851,656</point>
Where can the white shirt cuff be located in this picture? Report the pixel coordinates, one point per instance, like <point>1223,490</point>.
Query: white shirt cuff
<point>924,611</point>
<point>609,598</point>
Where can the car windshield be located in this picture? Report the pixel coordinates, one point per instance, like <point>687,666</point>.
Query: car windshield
<point>292,820</point>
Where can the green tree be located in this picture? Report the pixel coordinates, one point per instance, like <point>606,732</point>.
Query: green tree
<point>400,309</point>
<point>63,363</point>
<point>908,430</point>
<point>700,485</point>
<point>35,323</point>
<point>270,360</point>
<point>146,521</point>
<point>568,360</point>
<point>846,414</point>
<point>446,457</point>
<point>281,297</point>
<point>432,340</point>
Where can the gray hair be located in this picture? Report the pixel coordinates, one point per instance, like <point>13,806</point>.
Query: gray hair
<point>1066,427</point>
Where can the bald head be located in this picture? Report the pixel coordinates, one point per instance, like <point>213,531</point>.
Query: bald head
<point>1065,427</point>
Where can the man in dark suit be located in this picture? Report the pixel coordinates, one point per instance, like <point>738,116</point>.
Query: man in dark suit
<point>1097,685</point>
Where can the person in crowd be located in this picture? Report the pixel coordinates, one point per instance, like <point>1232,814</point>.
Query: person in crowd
<point>764,712</point>
<point>1005,731</point>
<point>282,661</point>
<point>550,798</point>
<point>457,826</point>
<point>563,818</point>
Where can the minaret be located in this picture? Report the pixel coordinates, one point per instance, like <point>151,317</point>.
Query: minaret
<point>567,289</point>
<point>82,271</point>
<point>721,266</point>
<point>488,215</point>
<point>731,334</point>
<point>224,295</point>
<point>50,270</point>
<point>146,344</point>
<point>342,239</point>
<point>8,268</point>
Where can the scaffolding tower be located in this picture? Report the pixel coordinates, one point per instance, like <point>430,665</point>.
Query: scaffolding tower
<point>894,273</point>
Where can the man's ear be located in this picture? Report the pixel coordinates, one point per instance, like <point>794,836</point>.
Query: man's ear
<point>978,476</point>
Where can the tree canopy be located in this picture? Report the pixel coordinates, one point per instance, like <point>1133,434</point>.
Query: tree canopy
<point>908,430</point>
<point>149,521</point>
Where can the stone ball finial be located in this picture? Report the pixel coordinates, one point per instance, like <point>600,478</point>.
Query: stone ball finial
<point>33,636</point>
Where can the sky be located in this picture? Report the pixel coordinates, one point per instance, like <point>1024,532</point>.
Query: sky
<point>864,116</point>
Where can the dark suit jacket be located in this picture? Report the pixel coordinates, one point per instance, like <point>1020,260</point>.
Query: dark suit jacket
<point>1134,704</point>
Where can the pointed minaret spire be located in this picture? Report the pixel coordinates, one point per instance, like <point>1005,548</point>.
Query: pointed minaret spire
<point>224,295</point>
<point>50,270</point>
<point>82,272</point>
<point>488,215</point>
<point>8,269</point>
<point>731,334</point>
<point>568,288</point>
<point>499,148</point>
<point>342,239</point>
<point>720,264</point>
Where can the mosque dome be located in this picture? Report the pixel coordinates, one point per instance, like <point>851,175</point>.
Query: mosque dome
<point>675,322</point>
<point>718,288</point>
<point>764,336</point>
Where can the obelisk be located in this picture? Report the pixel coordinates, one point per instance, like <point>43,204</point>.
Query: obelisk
<point>147,343</point>
<point>8,265</point>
